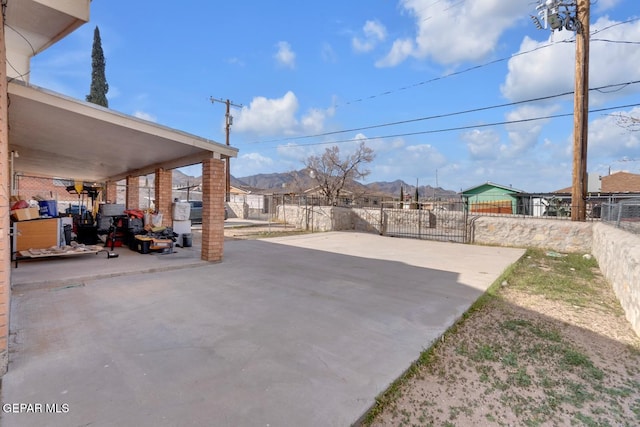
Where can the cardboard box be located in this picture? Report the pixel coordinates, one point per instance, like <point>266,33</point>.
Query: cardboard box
<point>25,214</point>
<point>157,244</point>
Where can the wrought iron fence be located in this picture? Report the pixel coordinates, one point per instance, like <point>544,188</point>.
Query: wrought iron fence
<point>438,220</point>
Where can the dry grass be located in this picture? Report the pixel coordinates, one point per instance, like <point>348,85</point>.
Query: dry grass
<point>548,345</point>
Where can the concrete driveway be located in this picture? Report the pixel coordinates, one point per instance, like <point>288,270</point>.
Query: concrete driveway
<point>295,331</point>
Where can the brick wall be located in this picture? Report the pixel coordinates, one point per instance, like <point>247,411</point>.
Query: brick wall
<point>213,193</point>
<point>164,195</point>
<point>111,195</point>
<point>133,192</point>
<point>5,242</point>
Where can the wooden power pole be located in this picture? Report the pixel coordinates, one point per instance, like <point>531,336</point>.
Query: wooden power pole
<point>581,114</point>
<point>228,122</point>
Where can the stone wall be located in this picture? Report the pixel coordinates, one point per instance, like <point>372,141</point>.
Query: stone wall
<point>618,254</point>
<point>558,235</point>
<point>617,251</point>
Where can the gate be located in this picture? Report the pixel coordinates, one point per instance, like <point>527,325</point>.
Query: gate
<point>441,221</point>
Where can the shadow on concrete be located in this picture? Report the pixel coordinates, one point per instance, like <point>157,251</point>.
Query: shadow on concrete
<point>287,331</point>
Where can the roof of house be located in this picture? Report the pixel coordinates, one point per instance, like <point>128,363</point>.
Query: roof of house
<point>492,184</point>
<point>617,182</point>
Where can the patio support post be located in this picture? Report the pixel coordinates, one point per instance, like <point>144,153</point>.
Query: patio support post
<point>164,195</point>
<point>111,195</point>
<point>133,192</point>
<point>213,195</point>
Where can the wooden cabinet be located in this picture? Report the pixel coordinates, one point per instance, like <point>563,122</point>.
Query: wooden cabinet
<point>36,234</point>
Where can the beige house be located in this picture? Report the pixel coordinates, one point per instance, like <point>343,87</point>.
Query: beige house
<point>43,133</point>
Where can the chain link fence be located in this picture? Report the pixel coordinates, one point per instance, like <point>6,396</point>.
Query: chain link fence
<point>624,214</point>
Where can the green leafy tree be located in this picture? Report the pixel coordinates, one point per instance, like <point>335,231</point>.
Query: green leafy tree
<point>99,85</point>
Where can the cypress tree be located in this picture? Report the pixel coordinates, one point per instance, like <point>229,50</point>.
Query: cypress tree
<point>99,85</point>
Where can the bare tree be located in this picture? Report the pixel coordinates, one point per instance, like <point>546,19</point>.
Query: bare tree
<point>628,122</point>
<point>332,173</point>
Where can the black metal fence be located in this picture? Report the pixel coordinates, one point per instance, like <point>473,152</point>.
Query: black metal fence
<point>439,220</point>
<point>443,220</point>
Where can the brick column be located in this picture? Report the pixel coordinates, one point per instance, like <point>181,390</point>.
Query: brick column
<point>5,241</point>
<point>111,195</point>
<point>213,189</point>
<point>164,195</point>
<point>133,192</point>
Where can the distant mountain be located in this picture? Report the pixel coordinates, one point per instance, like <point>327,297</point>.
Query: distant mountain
<point>393,188</point>
<point>300,180</point>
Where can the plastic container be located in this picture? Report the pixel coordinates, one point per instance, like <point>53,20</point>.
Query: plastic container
<point>48,208</point>
<point>181,211</point>
<point>112,209</point>
<point>187,240</point>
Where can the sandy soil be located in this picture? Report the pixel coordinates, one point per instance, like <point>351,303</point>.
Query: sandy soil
<point>526,360</point>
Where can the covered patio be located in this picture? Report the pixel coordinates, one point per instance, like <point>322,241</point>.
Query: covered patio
<point>52,135</point>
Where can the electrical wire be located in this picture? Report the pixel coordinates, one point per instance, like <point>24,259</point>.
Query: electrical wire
<point>457,113</point>
<point>486,64</point>
<point>508,122</point>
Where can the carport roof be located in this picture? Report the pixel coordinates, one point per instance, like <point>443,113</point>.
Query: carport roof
<point>58,136</point>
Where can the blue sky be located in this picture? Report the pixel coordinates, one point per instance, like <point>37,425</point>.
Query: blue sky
<point>302,70</point>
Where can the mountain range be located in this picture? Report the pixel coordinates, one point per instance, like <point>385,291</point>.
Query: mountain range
<point>300,181</point>
<point>296,181</point>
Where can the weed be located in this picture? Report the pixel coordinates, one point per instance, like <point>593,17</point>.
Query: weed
<point>484,352</point>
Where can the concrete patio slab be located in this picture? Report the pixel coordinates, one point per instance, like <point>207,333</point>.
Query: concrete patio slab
<point>295,331</point>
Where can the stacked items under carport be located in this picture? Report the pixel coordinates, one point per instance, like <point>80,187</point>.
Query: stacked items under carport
<point>154,238</point>
<point>112,224</point>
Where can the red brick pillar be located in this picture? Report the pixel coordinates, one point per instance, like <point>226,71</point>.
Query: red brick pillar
<point>5,241</point>
<point>133,192</point>
<point>213,189</point>
<point>111,195</point>
<point>164,195</point>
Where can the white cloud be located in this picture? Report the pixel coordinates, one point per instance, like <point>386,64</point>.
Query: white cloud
<point>278,116</point>
<point>374,32</point>
<point>482,144</point>
<point>550,70</point>
<point>313,121</point>
<point>250,164</point>
<point>145,116</point>
<point>610,138</point>
<point>285,56</point>
<point>328,54</point>
<point>525,135</point>
<point>235,61</point>
<point>450,31</point>
<point>268,116</point>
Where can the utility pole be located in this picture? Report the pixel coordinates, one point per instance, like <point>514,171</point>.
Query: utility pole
<point>581,114</point>
<point>574,16</point>
<point>228,122</point>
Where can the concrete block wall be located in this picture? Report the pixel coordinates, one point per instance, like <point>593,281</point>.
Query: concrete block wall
<point>618,254</point>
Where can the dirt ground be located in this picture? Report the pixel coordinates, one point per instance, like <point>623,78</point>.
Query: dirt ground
<point>527,359</point>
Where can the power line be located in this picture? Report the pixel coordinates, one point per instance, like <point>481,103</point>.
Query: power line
<point>508,122</point>
<point>486,64</point>
<point>439,116</point>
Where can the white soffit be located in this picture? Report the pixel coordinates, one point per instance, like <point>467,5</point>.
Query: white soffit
<point>58,136</point>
